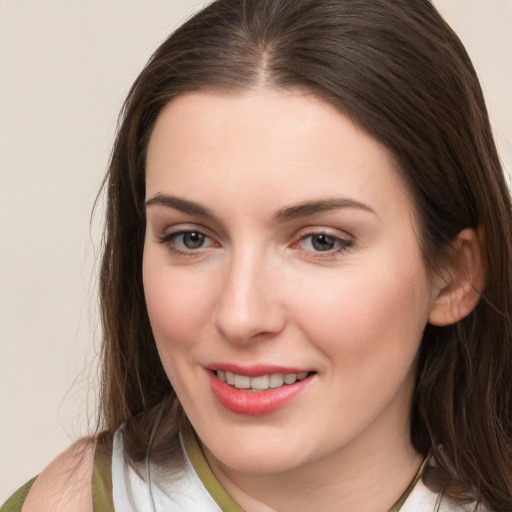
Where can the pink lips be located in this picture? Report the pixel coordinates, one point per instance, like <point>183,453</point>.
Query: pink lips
<point>254,403</point>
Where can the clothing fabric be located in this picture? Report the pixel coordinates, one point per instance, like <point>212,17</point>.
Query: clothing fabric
<point>181,490</point>
<point>121,486</point>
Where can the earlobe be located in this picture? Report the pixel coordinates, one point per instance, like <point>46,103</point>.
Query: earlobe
<point>457,287</point>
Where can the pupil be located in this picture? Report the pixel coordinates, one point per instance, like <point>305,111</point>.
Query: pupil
<point>323,242</point>
<point>193,240</point>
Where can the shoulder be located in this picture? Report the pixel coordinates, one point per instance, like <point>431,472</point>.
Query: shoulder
<point>66,483</point>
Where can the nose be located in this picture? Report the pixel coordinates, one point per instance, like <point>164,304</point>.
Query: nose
<point>248,306</point>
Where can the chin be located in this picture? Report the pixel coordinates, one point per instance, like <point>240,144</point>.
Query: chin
<point>258,451</point>
<point>261,462</point>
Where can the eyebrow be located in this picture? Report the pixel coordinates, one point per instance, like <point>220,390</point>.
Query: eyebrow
<point>183,205</point>
<point>305,209</point>
<point>309,208</point>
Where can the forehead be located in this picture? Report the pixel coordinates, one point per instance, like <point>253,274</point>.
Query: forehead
<point>243,146</point>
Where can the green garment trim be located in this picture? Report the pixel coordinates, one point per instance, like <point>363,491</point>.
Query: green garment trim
<point>212,485</point>
<point>102,476</point>
<point>15,502</point>
<point>398,505</point>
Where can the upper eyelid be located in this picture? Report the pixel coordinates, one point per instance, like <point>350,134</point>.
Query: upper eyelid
<point>325,230</point>
<point>161,218</point>
<point>186,227</point>
<point>345,242</point>
<point>162,226</point>
<point>177,232</point>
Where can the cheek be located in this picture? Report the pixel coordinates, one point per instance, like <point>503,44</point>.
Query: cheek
<point>178,304</point>
<point>373,315</point>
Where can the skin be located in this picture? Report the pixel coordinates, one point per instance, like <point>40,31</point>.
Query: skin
<point>257,291</point>
<point>65,484</point>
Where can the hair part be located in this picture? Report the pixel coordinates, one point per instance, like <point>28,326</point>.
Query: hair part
<point>398,70</point>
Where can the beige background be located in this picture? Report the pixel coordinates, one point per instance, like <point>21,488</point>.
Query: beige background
<point>65,67</point>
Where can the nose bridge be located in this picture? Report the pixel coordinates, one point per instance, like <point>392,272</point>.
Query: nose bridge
<point>247,304</point>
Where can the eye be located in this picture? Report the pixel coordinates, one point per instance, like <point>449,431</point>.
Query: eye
<point>323,242</point>
<point>191,239</point>
<point>185,242</point>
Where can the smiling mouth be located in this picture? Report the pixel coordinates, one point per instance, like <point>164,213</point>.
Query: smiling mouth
<point>261,382</point>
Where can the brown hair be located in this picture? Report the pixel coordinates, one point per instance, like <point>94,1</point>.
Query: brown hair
<point>399,71</point>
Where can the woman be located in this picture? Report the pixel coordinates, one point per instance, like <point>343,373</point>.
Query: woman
<point>306,280</point>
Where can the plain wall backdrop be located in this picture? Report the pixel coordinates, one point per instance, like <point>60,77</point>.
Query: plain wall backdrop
<point>65,68</point>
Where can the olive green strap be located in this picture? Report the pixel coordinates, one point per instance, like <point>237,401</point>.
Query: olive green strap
<point>398,505</point>
<point>102,476</point>
<point>15,502</point>
<point>211,484</point>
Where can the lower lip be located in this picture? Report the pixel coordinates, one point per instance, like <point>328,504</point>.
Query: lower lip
<point>254,403</point>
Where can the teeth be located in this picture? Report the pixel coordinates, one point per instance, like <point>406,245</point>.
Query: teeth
<point>276,380</point>
<point>242,382</point>
<point>290,378</point>
<point>262,382</point>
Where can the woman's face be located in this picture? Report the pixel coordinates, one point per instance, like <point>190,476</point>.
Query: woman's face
<point>281,256</point>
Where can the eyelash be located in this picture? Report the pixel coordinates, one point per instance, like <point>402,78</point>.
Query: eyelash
<point>170,241</point>
<point>342,245</point>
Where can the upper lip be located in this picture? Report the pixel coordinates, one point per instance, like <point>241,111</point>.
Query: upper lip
<point>255,370</point>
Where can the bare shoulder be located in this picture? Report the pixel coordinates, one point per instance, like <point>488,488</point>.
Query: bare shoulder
<point>66,483</point>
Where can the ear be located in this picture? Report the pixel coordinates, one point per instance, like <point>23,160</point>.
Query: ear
<point>458,285</point>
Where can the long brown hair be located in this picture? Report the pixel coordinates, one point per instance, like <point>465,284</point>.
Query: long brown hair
<point>399,71</point>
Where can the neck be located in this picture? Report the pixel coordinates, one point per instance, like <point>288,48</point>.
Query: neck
<point>367,476</point>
